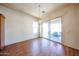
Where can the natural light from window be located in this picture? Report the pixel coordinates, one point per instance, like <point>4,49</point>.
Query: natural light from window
<point>35,27</point>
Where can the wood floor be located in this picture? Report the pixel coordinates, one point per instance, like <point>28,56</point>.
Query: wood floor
<point>38,47</point>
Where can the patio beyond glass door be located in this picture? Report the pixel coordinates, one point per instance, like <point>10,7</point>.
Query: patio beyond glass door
<point>52,30</point>
<point>55,30</point>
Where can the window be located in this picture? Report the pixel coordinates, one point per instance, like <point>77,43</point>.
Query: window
<point>35,27</point>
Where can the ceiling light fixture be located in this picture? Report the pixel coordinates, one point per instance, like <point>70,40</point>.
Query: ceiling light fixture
<point>40,11</point>
<point>43,11</point>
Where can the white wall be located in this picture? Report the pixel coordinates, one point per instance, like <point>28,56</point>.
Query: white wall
<point>70,24</point>
<point>18,26</point>
<point>71,27</point>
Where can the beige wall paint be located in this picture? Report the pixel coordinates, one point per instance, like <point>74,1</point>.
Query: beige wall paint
<point>18,26</point>
<point>70,24</point>
<point>71,28</point>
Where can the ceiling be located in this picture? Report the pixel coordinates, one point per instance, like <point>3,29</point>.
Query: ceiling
<point>33,8</point>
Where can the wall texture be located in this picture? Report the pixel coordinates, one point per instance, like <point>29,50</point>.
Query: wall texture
<point>70,24</point>
<point>18,26</point>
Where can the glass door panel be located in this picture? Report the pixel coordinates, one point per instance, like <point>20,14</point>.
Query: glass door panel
<point>52,30</point>
<point>55,28</point>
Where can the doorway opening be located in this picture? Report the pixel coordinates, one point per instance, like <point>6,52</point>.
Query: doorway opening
<point>52,29</point>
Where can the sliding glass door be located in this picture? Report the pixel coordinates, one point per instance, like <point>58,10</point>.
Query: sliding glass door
<point>52,30</point>
<point>55,30</point>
